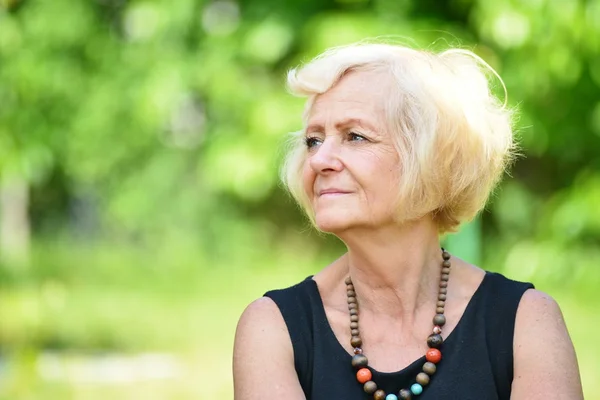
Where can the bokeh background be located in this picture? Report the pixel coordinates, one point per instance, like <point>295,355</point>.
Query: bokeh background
<point>140,209</point>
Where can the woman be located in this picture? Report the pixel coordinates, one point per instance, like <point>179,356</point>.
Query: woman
<point>399,147</point>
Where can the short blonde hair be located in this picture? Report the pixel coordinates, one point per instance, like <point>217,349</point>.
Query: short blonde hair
<point>453,136</point>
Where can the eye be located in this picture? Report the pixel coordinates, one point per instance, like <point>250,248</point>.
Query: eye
<point>355,137</point>
<point>312,142</point>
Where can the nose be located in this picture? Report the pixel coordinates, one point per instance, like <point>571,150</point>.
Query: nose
<point>326,158</point>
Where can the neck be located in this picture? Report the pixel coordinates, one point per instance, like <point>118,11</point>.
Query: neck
<point>395,270</point>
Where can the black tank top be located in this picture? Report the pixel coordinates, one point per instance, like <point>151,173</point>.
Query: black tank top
<point>477,358</point>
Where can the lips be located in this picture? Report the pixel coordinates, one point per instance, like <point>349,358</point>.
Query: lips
<point>332,192</point>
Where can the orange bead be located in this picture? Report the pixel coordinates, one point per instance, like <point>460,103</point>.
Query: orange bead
<point>433,355</point>
<point>364,375</point>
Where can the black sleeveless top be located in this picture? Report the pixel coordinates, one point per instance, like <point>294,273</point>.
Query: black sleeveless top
<point>477,358</point>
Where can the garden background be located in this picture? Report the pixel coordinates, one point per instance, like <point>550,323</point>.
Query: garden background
<point>140,209</point>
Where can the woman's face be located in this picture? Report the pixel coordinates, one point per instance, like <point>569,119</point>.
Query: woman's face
<point>351,171</point>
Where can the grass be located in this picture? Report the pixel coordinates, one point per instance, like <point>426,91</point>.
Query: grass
<point>98,304</point>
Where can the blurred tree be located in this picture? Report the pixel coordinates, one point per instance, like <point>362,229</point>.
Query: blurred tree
<point>158,117</point>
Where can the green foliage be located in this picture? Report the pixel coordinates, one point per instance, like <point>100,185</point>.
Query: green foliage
<point>150,133</point>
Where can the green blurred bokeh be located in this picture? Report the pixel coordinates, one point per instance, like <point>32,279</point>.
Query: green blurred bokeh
<point>140,209</point>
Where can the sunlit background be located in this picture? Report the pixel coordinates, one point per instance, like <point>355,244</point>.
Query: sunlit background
<point>140,209</point>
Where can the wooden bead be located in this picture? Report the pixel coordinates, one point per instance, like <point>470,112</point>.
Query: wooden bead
<point>354,332</point>
<point>405,394</point>
<point>441,303</point>
<point>446,264</point>
<point>433,355</point>
<point>356,341</point>
<point>442,296</point>
<point>429,368</point>
<point>446,256</point>
<point>359,361</point>
<point>364,375</point>
<point>445,277</point>
<point>353,324</point>
<point>354,311</point>
<point>435,340</point>
<point>352,306</point>
<point>349,287</point>
<point>379,395</point>
<point>443,284</point>
<point>443,290</point>
<point>446,270</point>
<point>439,310</point>
<point>348,280</point>
<point>370,387</point>
<point>351,293</point>
<point>439,320</point>
<point>351,300</point>
<point>422,379</point>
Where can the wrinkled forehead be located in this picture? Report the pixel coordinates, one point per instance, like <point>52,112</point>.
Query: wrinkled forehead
<point>358,94</point>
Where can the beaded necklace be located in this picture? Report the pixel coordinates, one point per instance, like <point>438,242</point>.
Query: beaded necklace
<point>434,342</point>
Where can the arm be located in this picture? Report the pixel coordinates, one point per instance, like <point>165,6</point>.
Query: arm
<point>545,365</point>
<point>263,357</point>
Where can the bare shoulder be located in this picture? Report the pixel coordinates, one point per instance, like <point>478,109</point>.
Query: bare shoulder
<point>262,349</point>
<point>543,351</point>
<point>261,311</point>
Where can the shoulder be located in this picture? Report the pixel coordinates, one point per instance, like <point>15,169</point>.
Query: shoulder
<point>261,336</point>
<point>538,305</point>
<point>543,351</point>
<point>262,310</point>
<point>264,321</point>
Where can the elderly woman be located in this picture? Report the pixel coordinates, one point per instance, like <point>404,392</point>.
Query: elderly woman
<point>400,146</point>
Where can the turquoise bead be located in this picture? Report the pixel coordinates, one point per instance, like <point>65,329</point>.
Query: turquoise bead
<point>416,389</point>
<point>391,397</point>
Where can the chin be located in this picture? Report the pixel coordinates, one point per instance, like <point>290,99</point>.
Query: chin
<point>333,222</point>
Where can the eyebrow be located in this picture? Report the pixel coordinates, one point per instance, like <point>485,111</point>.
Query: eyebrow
<point>341,125</point>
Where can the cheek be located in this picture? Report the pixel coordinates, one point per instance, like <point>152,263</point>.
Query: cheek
<point>308,179</point>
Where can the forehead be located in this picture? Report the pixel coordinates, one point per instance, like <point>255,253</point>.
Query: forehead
<point>357,94</point>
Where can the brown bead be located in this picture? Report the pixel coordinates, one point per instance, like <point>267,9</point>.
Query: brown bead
<point>354,332</point>
<point>441,303</point>
<point>429,368</point>
<point>359,361</point>
<point>445,277</point>
<point>351,300</point>
<point>352,305</point>
<point>446,264</point>
<point>445,255</point>
<point>354,318</point>
<point>439,320</point>
<point>379,395</point>
<point>434,340</point>
<point>354,324</point>
<point>358,350</point>
<point>446,270</point>
<point>442,296</point>
<point>356,341</point>
<point>422,379</point>
<point>370,387</point>
<point>439,310</point>
<point>351,293</point>
<point>348,280</point>
<point>444,284</point>
<point>349,287</point>
<point>354,311</point>
<point>405,394</point>
<point>443,290</point>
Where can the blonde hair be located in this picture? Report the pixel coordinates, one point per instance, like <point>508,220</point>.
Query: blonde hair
<point>453,136</point>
